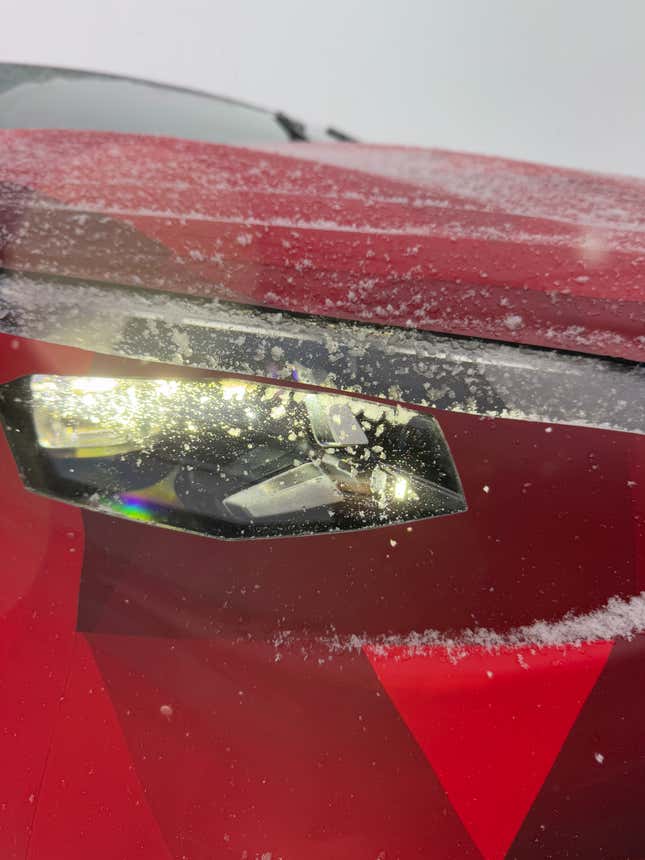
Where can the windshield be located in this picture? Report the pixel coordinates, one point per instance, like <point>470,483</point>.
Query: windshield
<point>38,97</point>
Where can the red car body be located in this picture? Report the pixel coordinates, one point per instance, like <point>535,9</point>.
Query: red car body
<point>467,686</point>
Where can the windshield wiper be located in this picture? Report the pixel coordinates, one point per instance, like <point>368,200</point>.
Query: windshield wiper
<point>340,135</point>
<point>297,130</point>
<point>294,128</point>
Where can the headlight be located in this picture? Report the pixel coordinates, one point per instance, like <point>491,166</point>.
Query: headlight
<point>229,457</point>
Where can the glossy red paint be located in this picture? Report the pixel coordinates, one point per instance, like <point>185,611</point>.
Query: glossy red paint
<point>491,730</point>
<point>92,802</point>
<point>171,696</point>
<point>42,555</point>
<point>444,241</point>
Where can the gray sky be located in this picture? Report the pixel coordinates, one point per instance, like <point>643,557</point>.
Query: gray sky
<point>560,81</point>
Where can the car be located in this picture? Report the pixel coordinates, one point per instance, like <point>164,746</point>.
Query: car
<point>323,489</point>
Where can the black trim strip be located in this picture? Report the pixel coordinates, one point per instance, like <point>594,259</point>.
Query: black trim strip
<point>416,367</point>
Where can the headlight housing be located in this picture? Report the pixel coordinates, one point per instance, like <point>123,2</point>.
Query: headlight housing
<point>228,457</point>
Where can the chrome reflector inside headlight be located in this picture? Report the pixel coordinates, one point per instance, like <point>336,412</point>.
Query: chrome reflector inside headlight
<point>229,457</point>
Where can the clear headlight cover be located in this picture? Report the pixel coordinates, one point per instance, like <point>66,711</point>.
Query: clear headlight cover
<point>228,457</point>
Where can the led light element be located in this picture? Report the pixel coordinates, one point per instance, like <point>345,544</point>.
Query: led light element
<point>401,488</point>
<point>227,457</point>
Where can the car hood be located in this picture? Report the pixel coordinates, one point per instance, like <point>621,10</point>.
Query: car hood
<point>429,239</point>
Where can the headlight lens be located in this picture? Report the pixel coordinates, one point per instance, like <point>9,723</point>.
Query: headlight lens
<point>229,457</point>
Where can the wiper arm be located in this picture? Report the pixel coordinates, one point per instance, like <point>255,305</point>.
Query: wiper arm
<point>340,135</point>
<point>297,130</point>
<point>294,128</point>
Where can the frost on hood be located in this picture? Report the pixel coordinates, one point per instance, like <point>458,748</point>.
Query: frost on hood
<point>416,238</point>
